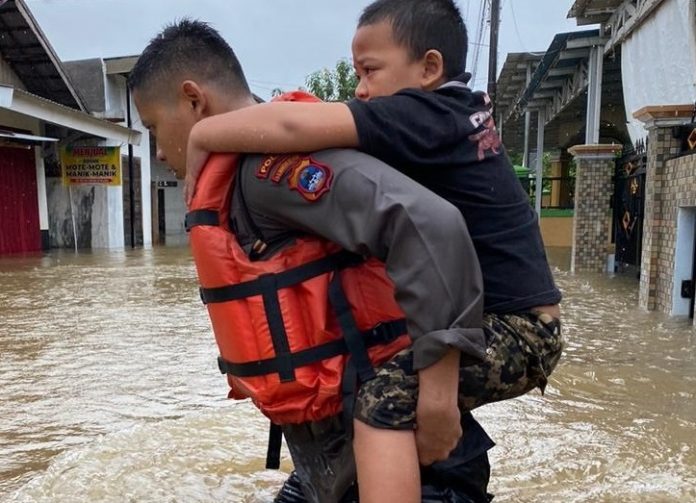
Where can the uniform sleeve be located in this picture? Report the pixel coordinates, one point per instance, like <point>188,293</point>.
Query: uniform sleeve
<point>411,128</point>
<point>371,209</point>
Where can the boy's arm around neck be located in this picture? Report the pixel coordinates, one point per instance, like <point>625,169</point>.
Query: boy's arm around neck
<point>278,128</point>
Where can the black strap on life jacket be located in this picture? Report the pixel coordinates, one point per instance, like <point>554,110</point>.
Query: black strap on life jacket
<point>275,442</point>
<point>383,333</point>
<point>291,277</point>
<point>201,217</point>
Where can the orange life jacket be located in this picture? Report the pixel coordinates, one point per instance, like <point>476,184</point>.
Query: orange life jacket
<point>294,328</point>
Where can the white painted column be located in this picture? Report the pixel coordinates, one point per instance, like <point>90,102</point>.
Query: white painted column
<point>41,188</point>
<point>115,233</point>
<point>594,94</point>
<point>539,161</point>
<point>143,152</point>
<point>527,123</point>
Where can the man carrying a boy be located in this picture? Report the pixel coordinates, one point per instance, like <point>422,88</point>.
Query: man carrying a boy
<point>189,73</point>
<point>415,112</point>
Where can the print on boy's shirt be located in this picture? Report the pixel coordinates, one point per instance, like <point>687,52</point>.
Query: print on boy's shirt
<point>487,138</point>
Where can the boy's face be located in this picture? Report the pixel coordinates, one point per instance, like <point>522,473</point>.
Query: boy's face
<point>170,122</point>
<point>383,66</point>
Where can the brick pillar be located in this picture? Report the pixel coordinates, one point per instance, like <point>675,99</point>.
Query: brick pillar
<point>592,220</point>
<point>659,121</point>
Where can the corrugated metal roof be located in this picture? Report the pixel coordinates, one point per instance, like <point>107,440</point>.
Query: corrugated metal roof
<point>593,11</point>
<point>25,48</point>
<point>551,60</point>
<point>513,76</point>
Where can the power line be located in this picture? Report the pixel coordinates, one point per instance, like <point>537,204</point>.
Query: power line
<point>479,37</point>
<point>517,29</point>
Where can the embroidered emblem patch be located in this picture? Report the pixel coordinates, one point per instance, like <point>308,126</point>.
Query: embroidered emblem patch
<point>311,179</point>
<point>284,166</point>
<point>264,168</point>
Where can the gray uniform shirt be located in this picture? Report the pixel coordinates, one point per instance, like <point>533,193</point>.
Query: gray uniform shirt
<point>371,209</point>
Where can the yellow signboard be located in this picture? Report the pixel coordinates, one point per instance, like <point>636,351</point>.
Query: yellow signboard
<point>91,165</point>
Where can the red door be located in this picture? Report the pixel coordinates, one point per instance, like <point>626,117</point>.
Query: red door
<point>19,205</point>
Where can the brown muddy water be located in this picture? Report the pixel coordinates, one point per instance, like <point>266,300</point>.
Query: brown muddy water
<point>109,392</point>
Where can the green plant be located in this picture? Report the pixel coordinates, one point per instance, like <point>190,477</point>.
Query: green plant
<point>334,85</point>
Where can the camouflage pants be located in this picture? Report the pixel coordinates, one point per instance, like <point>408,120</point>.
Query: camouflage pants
<point>523,349</point>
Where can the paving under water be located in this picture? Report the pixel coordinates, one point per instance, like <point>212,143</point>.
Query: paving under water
<point>109,392</point>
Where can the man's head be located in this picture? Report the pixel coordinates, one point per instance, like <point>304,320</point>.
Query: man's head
<point>408,43</point>
<point>186,73</point>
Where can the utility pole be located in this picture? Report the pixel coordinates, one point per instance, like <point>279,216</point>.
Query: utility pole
<point>493,50</point>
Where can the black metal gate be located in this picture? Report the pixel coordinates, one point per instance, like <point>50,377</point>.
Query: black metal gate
<point>628,202</point>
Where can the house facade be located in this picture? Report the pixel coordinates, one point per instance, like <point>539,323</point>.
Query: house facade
<point>41,113</point>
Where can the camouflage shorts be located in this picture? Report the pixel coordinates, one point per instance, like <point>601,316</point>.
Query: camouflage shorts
<point>522,352</point>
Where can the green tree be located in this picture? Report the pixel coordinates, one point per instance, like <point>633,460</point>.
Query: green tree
<point>334,85</point>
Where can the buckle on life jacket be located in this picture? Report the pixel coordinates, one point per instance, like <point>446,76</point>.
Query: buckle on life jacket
<point>259,247</point>
<point>385,332</point>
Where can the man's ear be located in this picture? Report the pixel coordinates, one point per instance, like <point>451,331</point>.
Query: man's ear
<point>433,69</point>
<point>194,97</point>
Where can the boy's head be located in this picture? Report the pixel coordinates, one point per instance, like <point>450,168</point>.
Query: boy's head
<point>408,43</point>
<point>186,73</point>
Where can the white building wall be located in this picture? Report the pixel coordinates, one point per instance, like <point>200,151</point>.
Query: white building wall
<point>683,259</point>
<point>658,61</point>
<point>175,208</point>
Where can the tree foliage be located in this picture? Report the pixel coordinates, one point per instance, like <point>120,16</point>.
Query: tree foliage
<point>334,85</point>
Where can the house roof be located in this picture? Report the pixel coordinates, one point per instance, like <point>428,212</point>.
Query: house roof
<point>558,85</point>
<point>593,11</point>
<point>120,65</point>
<point>513,77</point>
<point>26,103</point>
<point>560,55</point>
<point>26,50</point>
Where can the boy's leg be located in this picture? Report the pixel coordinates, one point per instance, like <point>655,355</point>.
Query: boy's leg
<point>389,402</point>
<point>387,465</point>
<point>523,350</point>
<point>384,441</point>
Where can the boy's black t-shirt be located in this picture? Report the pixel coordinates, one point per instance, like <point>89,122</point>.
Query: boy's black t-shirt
<point>446,140</point>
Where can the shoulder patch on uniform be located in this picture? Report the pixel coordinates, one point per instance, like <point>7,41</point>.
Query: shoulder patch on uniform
<point>311,179</point>
<point>285,165</point>
<point>264,169</point>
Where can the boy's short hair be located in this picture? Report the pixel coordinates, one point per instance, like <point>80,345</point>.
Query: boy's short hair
<point>188,49</point>
<point>422,25</point>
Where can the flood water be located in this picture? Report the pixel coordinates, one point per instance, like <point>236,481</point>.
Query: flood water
<point>109,392</point>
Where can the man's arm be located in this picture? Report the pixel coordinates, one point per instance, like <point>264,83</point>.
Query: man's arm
<point>271,128</point>
<point>374,210</point>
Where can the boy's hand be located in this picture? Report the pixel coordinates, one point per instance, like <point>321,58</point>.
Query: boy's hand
<point>196,156</point>
<point>437,415</point>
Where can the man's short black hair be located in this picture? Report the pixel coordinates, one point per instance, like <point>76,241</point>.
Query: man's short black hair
<point>189,49</point>
<point>422,25</point>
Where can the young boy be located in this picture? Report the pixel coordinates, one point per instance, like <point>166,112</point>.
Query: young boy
<point>415,112</point>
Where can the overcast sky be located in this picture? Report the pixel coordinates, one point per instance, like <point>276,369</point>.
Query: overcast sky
<point>279,42</point>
